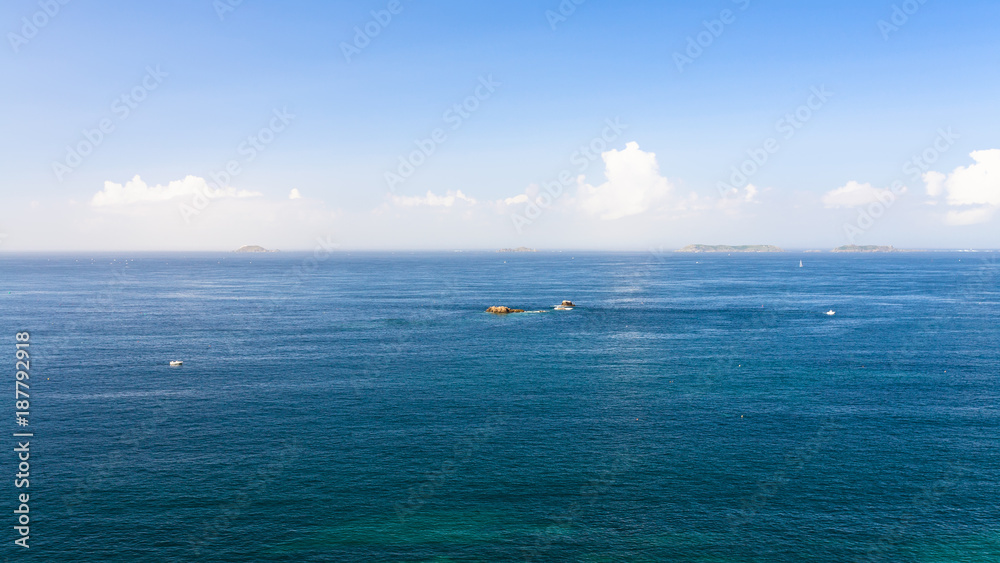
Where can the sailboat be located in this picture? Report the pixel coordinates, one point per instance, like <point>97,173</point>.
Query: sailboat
<point>800,263</point>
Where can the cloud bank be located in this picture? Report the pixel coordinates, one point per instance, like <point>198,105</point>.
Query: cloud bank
<point>135,191</point>
<point>450,199</point>
<point>854,194</point>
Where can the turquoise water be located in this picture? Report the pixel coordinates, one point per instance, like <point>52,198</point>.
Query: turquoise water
<point>364,408</point>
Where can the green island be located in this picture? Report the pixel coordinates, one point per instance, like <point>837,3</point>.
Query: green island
<point>253,248</point>
<point>867,248</point>
<point>727,248</point>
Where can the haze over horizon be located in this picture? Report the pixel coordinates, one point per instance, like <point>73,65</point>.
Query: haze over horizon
<point>399,125</point>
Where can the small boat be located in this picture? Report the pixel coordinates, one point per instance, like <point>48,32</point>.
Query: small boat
<point>831,312</point>
<point>800,263</point>
<point>176,363</point>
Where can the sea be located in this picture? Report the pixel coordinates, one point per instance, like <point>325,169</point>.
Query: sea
<point>364,407</point>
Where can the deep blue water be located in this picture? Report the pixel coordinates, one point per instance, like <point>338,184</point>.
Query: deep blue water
<point>365,408</point>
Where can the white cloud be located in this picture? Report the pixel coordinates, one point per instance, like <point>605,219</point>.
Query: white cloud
<point>294,194</point>
<point>977,184</point>
<point>972,216</point>
<point>732,202</point>
<point>432,200</point>
<point>553,196</point>
<point>854,194</point>
<point>975,187</point>
<point>135,191</point>
<point>935,183</point>
<point>634,185</point>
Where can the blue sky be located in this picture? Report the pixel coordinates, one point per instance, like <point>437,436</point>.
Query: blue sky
<point>556,81</point>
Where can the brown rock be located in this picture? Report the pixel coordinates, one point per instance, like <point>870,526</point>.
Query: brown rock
<point>503,310</point>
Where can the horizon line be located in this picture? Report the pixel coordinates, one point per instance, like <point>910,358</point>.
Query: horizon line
<point>810,250</point>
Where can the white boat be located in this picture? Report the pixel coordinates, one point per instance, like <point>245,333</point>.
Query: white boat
<point>831,312</point>
<point>176,363</point>
<point>800,263</point>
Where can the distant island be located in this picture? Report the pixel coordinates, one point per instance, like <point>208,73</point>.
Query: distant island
<point>868,248</point>
<point>518,249</point>
<point>727,248</point>
<point>253,248</point>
